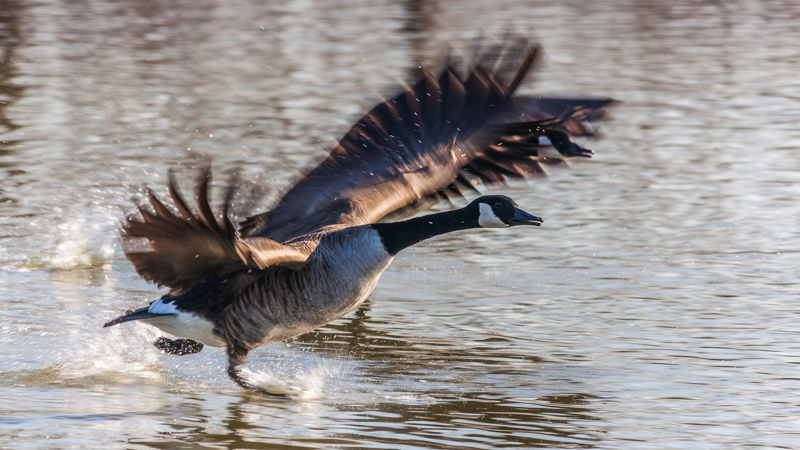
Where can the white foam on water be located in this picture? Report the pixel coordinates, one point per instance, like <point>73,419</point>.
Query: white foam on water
<point>87,240</point>
<point>89,355</point>
<point>304,377</point>
<point>122,355</point>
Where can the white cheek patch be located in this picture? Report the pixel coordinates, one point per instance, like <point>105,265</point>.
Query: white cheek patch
<point>549,152</point>
<point>488,219</point>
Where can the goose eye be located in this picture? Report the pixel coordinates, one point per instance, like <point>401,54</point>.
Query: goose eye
<point>497,204</point>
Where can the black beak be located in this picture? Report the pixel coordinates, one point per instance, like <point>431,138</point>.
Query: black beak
<point>522,218</point>
<point>576,150</point>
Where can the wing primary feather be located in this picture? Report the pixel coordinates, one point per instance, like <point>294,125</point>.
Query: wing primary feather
<point>228,229</point>
<point>445,123</point>
<point>184,210</point>
<point>162,212</point>
<point>531,56</point>
<point>184,249</point>
<point>203,207</point>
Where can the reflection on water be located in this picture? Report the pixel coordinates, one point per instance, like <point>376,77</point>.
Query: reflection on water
<point>9,91</point>
<point>656,308</point>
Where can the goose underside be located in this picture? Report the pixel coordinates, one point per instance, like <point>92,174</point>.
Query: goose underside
<point>180,324</point>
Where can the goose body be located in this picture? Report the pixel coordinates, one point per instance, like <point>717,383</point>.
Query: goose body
<point>253,307</point>
<point>340,273</point>
<point>319,252</point>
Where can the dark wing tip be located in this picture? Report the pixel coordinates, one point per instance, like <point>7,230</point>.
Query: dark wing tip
<point>445,121</point>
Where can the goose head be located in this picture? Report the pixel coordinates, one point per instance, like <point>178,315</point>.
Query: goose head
<point>499,211</point>
<point>563,144</point>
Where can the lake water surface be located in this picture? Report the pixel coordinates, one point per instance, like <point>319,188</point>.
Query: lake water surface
<point>657,308</point>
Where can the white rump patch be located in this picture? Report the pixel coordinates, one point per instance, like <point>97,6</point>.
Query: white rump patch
<point>159,307</point>
<point>183,324</point>
<point>188,326</point>
<point>488,219</point>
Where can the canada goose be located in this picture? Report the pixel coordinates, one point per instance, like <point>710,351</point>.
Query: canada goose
<point>318,253</point>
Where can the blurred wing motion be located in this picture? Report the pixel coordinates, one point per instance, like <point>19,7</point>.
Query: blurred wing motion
<point>433,141</point>
<point>186,248</point>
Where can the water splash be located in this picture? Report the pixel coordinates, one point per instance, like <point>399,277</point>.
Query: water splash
<point>117,355</point>
<point>85,356</point>
<point>303,379</point>
<point>88,240</point>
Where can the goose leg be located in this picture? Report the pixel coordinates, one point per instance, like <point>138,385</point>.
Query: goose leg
<point>177,346</point>
<point>236,357</point>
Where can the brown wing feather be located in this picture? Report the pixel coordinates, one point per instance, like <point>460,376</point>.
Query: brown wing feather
<point>430,143</point>
<point>438,124</point>
<point>186,248</point>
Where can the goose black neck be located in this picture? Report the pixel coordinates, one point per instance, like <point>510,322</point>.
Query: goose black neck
<point>399,235</point>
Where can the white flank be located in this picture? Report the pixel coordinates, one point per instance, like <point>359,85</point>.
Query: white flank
<point>488,219</point>
<point>183,324</point>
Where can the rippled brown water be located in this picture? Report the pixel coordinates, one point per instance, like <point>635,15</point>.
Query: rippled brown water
<point>656,308</point>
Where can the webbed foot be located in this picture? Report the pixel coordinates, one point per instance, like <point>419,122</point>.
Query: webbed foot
<point>236,359</point>
<point>177,346</point>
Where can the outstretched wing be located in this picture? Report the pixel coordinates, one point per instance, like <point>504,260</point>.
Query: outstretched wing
<point>184,248</point>
<point>432,141</point>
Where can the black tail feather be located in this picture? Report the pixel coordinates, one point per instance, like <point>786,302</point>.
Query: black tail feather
<point>139,314</point>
